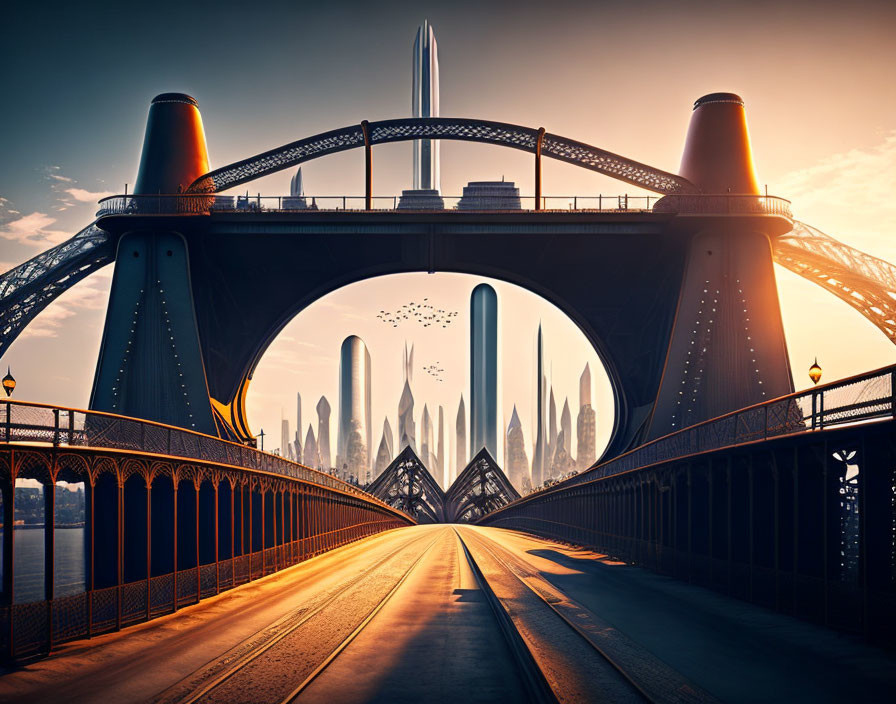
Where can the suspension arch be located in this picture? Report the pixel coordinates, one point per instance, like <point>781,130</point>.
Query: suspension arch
<point>367,134</point>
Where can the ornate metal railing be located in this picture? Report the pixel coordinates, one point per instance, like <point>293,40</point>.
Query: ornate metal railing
<point>205,204</point>
<point>25,422</point>
<point>866,397</point>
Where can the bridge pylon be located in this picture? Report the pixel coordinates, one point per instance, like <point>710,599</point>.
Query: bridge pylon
<point>727,348</point>
<point>150,363</point>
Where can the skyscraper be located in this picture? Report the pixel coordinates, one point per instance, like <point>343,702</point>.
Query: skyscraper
<point>552,432</point>
<point>460,443</point>
<point>285,444</point>
<point>298,441</point>
<point>425,103</point>
<point>385,452</point>
<point>311,458</point>
<point>586,424</point>
<point>441,465</point>
<point>354,407</point>
<point>484,370</point>
<point>406,427</point>
<point>538,459</point>
<point>516,462</point>
<point>426,453</point>
<point>323,432</point>
<point>566,427</point>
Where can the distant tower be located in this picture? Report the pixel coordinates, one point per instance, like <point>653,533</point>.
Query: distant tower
<point>566,427</point>
<point>296,199</point>
<point>441,465</point>
<point>406,427</point>
<point>460,444</point>
<point>552,430</point>
<point>586,424</point>
<point>385,452</point>
<point>516,462</point>
<point>354,406</point>
<point>426,454</point>
<point>311,458</point>
<point>323,432</point>
<point>425,103</point>
<point>298,440</point>
<point>484,370</point>
<point>538,459</point>
<point>285,444</point>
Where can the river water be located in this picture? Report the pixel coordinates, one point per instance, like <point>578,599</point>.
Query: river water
<point>29,569</point>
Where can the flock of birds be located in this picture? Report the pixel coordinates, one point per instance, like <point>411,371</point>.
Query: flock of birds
<point>434,370</point>
<point>424,313</point>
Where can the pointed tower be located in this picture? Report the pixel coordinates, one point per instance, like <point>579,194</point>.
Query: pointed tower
<point>385,452</point>
<point>460,445</point>
<point>323,432</point>
<point>425,103</point>
<point>552,430</point>
<point>517,463</point>
<point>441,465</point>
<point>426,454</point>
<point>586,424</point>
<point>354,405</point>
<point>311,458</point>
<point>298,441</point>
<point>566,427</point>
<point>539,459</point>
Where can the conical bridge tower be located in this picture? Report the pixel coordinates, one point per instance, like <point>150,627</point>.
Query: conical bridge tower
<point>727,348</point>
<point>150,363</point>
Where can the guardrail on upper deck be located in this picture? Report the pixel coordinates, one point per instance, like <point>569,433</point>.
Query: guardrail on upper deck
<point>26,422</point>
<point>862,398</point>
<point>204,204</point>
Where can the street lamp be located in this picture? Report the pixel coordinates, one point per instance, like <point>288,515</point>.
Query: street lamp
<point>815,372</point>
<point>9,383</point>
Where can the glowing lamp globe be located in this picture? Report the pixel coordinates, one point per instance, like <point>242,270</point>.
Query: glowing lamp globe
<point>815,372</point>
<point>9,383</point>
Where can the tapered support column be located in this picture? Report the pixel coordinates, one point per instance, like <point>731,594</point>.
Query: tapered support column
<point>217,530</point>
<point>9,492</point>
<point>175,482</point>
<point>119,552</point>
<point>148,549</point>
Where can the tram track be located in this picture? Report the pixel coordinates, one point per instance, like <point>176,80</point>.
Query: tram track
<point>198,686</point>
<point>647,678</point>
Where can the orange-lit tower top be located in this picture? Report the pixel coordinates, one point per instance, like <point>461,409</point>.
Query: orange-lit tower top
<point>174,151</point>
<point>717,154</point>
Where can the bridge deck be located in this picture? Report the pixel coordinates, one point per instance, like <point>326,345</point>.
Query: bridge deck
<point>402,616</point>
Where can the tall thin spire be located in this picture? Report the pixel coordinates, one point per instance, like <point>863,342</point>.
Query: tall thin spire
<point>425,103</point>
<point>538,459</point>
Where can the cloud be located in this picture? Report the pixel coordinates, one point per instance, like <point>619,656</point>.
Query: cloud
<point>849,195</point>
<point>33,229</point>
<point>84,196</point>
<point>92,294</point>
<point>59,177</point>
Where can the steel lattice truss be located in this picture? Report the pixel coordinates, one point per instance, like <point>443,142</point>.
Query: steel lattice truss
<point>500,133</point>
<point>480,489</point>
<point>30,287</point>
<point>407,485</point>
<point>867,283</point>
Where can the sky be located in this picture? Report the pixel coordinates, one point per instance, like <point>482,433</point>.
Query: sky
<point>816,78</point>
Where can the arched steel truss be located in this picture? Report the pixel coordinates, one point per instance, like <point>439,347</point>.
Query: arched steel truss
<point>479,489</point>
<point>28,288</point>
<point>866,283</point>
<point>467,130</point>
<point>407,485</point>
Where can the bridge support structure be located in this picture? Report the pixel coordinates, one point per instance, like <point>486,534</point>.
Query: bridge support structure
<point>150,363</point>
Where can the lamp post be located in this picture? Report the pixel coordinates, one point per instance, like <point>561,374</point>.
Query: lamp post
<point>261,437</point>
<point>815,372</point>
<point>9,383</point>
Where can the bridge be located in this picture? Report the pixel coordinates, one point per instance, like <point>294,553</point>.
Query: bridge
<point>716,473</point>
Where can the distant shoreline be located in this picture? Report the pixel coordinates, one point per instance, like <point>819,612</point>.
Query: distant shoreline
<point>34,526</point>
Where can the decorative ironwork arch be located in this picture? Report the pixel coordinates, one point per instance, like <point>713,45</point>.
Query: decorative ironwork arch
<point>502,134</point>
